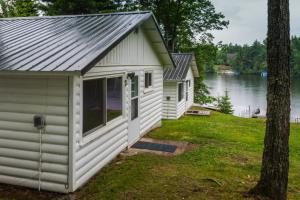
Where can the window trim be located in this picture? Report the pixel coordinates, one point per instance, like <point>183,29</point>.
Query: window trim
<point>182,92</point>
<point>134,98</point>
<point>95,132</point>
<point>149,88</point>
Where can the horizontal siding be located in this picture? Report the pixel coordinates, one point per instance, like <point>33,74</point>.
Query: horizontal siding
<point>133,54</point>
<point>169,107</point>
<point>21,98</point>
<point>173,109</point>
<point>93,154</point>
<point>151,102</point>
<point>190,101</point>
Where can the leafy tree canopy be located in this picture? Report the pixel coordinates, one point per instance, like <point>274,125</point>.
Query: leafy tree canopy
<point>253,58</point>
<point>18,8</point>
<point>184,22</point>
<point>68,7</point>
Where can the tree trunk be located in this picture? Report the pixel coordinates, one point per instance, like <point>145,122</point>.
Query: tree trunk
<point>275,162</point>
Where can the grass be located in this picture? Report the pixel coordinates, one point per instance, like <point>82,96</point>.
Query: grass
<point>225,165</point>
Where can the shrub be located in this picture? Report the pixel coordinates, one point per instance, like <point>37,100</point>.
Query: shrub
<point>224,104</point>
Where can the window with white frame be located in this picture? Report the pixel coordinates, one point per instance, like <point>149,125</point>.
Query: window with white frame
<point>148,80</point>
<point>180,91</point>
<point>102,102</point>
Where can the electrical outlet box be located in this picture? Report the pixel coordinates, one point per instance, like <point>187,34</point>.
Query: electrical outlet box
<point>39,121</point>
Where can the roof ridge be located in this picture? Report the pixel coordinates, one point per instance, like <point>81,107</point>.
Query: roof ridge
<point>73,16</point>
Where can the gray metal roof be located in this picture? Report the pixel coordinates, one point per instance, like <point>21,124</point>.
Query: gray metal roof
<point>182,63</point>
<point>63,43</point>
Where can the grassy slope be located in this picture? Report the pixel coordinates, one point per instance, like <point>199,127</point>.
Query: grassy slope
<point>229,153</point>
<point>224,166</point>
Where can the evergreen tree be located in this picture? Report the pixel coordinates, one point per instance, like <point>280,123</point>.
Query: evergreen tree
<point>225,105</point>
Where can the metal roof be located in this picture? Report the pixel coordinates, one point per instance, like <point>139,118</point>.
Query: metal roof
<point>63,43</point>
<point>182,63</point>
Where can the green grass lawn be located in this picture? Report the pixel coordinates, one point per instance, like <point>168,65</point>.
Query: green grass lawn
<point>224,166</point>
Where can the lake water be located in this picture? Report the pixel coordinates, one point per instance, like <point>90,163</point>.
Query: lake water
<point>249,91</point>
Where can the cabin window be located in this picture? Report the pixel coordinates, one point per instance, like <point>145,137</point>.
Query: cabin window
<point>134,97</point>
<point>148,80</point>
<point>114,98</point>
<point>180,91</point>
<point>93,104</point>
<point>102,102</point>
<point>187,90</point>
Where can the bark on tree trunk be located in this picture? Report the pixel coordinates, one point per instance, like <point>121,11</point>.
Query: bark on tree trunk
<point>275,162</point>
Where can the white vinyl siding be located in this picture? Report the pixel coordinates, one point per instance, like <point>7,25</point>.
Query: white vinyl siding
<point>21,98</point>
<point>181,104</point>
<point>174,109</point>
<point>170,106</point>
<point>190,101</point>
<point>133,54</point>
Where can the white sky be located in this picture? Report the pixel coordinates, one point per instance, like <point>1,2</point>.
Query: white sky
<point>248,20</point>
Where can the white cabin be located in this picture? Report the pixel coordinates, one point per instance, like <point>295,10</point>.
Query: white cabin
<point>179,85</point>
<point>75,91</point>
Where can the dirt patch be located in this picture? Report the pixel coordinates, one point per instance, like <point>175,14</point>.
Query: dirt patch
<point>181,147</point>
<point>21,193</point>
<point>241,159</point>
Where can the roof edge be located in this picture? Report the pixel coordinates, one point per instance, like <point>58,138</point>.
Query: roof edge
<point>114,44</point>
<point>65,16</point>
<point>104,53</point>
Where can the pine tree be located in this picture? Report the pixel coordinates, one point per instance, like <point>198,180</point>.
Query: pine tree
<point>225,105</point>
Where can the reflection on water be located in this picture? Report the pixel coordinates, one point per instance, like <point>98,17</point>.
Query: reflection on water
<point>249,91</point>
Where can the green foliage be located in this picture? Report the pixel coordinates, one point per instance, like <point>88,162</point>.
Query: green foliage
<point>244,59</point>
<point>18,8</point>
<point>201,93</point>
<point>252,58</point>
<point>224,148</point>
<point>68,7</point>
<point>205,55</point>
<point>224,104</point>
<point>295,57</point>
<point>184,23</point>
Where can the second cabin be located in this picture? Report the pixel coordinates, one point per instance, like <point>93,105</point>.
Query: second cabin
<point>179,85</point>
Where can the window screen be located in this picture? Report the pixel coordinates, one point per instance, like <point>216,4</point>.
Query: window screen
<point>180,91</point>
<point>102,102</point>
<point>114,98</point>
<point>148,79</point>
<point>93,104</point>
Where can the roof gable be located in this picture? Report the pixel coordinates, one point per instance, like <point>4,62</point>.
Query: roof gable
<point>183,61</point>
<point>63,43</point>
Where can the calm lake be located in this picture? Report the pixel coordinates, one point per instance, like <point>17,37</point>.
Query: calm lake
<point>249,91</point>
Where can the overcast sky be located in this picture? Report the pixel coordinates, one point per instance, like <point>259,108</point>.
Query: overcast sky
<point>248,20</point>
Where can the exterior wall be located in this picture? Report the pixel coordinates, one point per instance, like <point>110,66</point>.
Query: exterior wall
<point>92,152</point>
<point>190,101</point>
<point>173,109</point>
<point>181,105</point>
<point>21,98</point>
<point>170,107</point>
